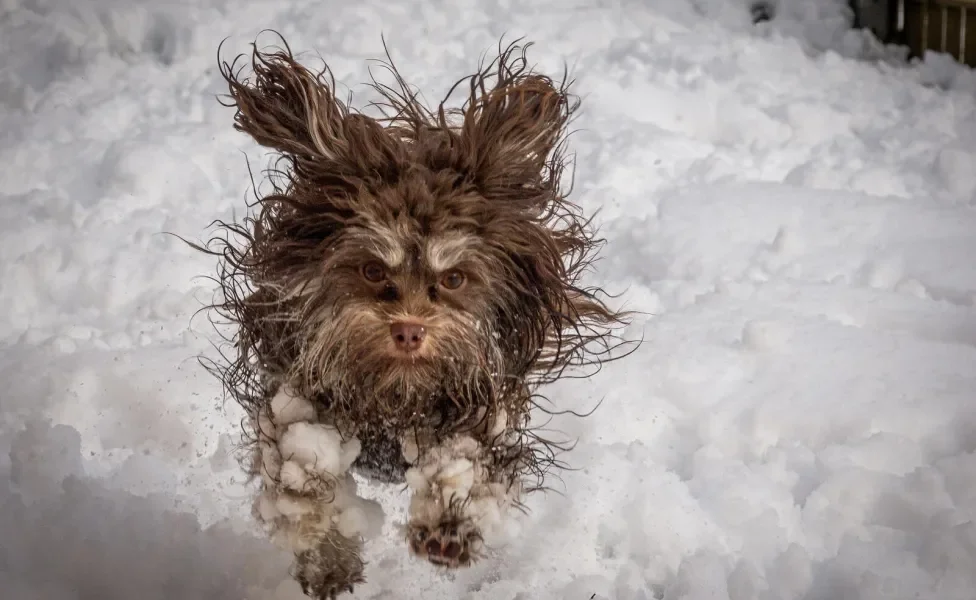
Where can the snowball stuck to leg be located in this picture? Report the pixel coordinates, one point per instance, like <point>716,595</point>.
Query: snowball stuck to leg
<point>308,499</point>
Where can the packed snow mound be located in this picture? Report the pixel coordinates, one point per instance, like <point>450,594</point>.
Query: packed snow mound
<point>791,218</point>
<point>67,536</point>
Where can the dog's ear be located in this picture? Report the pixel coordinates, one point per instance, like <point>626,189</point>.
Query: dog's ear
<point>288,108</point>
<point>512,129</point>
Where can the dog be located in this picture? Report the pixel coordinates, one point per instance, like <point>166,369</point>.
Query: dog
<point>398,298</point>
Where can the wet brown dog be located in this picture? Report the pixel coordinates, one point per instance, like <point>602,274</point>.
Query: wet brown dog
<point>398,298</point>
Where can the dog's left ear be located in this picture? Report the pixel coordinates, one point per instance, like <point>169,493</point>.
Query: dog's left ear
<point>511,130</point>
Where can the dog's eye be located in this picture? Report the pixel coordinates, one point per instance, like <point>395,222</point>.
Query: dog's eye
<point>452,280</point>
<point>374,271</point>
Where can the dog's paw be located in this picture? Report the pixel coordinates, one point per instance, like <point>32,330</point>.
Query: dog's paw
<point>453,543</point>
<point>331,569</point>
<point>460,500</point>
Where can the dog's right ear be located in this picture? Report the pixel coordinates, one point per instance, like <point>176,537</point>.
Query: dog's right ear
<point>287,107</point>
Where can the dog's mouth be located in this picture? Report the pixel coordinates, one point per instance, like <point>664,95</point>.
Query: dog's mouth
<point>408,361</point>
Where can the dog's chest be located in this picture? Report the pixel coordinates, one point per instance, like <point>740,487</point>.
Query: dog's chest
<point>381,457</point>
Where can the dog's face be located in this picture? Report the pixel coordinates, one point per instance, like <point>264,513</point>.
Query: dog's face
<point>407,300</point>
<point>431,259</point>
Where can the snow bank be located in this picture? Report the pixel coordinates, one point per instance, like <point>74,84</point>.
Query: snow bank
<point>68,536</point>
<point>796,227</point>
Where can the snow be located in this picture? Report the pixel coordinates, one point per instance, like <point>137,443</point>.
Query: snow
<point>790,207</point>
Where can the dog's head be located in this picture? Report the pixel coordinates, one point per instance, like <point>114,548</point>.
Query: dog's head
<point>425,256</point>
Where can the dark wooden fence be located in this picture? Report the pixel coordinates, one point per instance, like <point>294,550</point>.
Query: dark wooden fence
<point>947,26</point>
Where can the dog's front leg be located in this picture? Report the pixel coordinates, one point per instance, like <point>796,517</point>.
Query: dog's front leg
<point>308,498</point>
<point>463,490</point>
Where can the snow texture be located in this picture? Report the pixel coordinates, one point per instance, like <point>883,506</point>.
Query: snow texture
<point>790,206</point>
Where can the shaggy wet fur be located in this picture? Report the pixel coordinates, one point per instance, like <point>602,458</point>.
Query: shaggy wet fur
<point>454,218</point>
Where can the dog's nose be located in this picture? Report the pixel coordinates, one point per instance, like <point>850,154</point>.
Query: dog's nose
<point>408,336</point>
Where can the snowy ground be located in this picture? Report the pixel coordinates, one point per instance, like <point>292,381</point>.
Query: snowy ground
<point>797,224</point>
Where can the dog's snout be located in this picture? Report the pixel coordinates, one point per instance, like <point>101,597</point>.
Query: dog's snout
<point>408,337</point>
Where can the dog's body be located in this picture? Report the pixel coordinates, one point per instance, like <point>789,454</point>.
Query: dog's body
<point>399,297</point>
